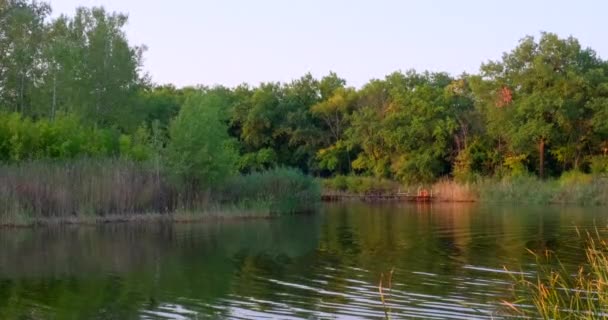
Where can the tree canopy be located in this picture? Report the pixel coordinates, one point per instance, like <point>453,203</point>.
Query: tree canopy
<point>74,85</point>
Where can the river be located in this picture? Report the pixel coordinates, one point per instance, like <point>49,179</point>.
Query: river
<point>447,259</point>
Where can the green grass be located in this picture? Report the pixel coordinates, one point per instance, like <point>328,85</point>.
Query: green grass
<point>571,188</point>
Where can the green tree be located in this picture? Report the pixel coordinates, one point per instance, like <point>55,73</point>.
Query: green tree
<point>335,112</point>
<point>22,31</point>
<point>540,94</point>
<point>200,152</point>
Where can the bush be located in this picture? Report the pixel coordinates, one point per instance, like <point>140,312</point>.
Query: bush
<point>280,190</point>
<point>573,178</point>
<point>598,165</point>
<point>65,137</point>
<point>360,185</point>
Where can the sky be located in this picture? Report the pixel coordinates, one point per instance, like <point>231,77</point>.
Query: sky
<point>230,42</point>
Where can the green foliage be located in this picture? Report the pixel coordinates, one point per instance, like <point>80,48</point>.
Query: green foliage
<point>279,190</point>
<point>360,185</point>
<point>411,125</point>
<point>256,161</point>
<point>572,188</point>
<point>516,165</point>
<point>82,65</point>
<point>544,93</point>
<point>599,165</point>
<point>137,146</point>
<point>518,189</point>
<point>72,86</point>
<point>200,152</point>
<point>574,177</point>
<point>66,137</point>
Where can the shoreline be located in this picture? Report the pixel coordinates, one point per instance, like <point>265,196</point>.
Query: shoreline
<point>216,216</point>
<point>134,218</point>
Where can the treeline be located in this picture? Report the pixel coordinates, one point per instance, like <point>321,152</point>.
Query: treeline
<point>73,86</point>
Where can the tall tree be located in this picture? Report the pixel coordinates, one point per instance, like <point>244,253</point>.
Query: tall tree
<point>22,31</point>
<point>200,152</point>
<point>108,71</point>
<point>538,94</point>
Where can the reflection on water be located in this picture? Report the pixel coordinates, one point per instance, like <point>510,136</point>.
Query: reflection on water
<point>448,262</point>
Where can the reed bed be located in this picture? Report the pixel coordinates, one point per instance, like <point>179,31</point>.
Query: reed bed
<point>118,190</point>
<point>571,188</point>
<point>558,292</point>
<point>82,188</point>
<point>280,190</point>
<point>583,190</point>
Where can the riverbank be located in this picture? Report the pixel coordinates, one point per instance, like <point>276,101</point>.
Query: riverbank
<point>180,217</point>
<point>570,188</point>
<point>90,191</point>
<point>87,191</point>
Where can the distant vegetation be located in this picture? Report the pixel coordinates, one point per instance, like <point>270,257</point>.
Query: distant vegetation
<point>72,87</point>
<point>114,189</point>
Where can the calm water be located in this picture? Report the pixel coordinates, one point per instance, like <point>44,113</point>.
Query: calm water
<point>448,263</point>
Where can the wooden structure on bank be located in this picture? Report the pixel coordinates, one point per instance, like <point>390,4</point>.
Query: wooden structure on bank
<point>423,195</point>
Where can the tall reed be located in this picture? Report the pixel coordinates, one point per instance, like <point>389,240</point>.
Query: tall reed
<point>558,292</point>
<point>280,190</point>
<point>82,187</point>
<point>33,191</point>
<point>578,188</point>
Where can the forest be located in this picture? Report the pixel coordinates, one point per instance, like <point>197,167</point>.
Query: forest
<point>74,87</point>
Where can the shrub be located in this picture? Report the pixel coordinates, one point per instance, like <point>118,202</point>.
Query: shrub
<point>65,137</point>
<point>574,177</point>
<point>360,185</point>
<point>599,165</point>
<point>280,190</point>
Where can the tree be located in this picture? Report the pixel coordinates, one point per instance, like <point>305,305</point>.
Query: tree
<point>539,94</point>
<point>22,31</point>
<point>335,112</point>
<point>200,152</point>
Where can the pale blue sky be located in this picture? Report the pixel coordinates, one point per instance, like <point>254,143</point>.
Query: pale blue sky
<point>233,41</point>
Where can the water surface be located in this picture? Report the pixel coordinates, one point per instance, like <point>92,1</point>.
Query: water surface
<point>447,259</point>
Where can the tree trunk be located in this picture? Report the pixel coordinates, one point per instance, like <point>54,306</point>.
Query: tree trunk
<point>54,105</point>
<point>541,150</point>
<point>21,89</point>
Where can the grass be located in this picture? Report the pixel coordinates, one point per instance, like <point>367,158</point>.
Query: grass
<point>451,191</point>
<point>105,190</point>
<point>571,188</point>
<point>385,290</point>
<point>560,293</point>
<point>280,190</point>
<point>359,185</point>
<point>81,188</point>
